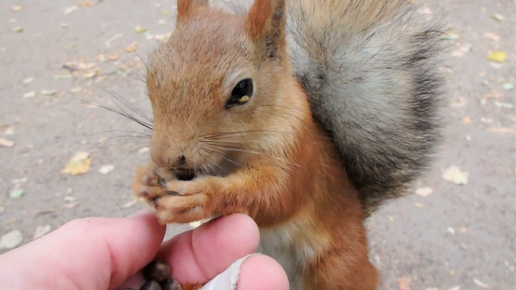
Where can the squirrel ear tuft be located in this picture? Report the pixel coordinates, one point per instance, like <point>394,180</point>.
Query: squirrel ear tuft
<point>185,8</point>
<point>265,24</point>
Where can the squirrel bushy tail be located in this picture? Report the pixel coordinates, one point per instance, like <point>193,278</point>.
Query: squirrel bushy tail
<point>371,75</point>
<point>369,68</point>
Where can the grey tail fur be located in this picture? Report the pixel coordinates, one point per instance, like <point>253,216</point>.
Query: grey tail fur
<point>376,88</point>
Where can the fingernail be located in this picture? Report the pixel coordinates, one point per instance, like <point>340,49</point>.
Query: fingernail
<point>139,213</point>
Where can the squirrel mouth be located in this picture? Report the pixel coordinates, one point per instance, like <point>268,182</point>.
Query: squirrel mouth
<point>185,174</point>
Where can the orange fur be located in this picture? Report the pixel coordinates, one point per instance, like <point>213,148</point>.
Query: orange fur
<point>286,173</point>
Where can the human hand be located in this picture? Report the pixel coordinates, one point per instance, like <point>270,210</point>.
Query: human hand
<point>101,253</point>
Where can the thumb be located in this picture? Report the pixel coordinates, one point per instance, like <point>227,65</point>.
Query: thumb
<point>88,254</point>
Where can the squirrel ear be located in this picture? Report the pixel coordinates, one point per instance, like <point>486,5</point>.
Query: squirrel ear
<point>185,8</point>
<point>265,24</point>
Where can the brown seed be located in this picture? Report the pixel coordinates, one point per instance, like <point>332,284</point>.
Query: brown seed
<point>151,285</point>
<point>171,285</point>
<point>157,271</point>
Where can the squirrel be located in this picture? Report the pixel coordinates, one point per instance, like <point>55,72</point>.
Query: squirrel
<point>305,115</point>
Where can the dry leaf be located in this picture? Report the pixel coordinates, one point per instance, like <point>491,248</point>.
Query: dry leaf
<point>43,212</point>
<point>130,203</point>
<point>63,76</point>
<point>101,58</point>
<point>41,231</point>
<point>403,284</point>
<point>424,191</point>
<point>503,130</point>
<point>69,198</point>
<point>70,205</point>
<point>454,175</point>
<point>451,230</point>
<point>106,169</point>
<point>143,150</point>
<point>462,50</point>
<point>498,56</point>
<point>494,95</point>
<point>503,105</point>
<point>498,17</point>
<point>113,57</point>
<point>70,10</point>
<point>49,92</point>
<point>419,205</point>
<point>508,87</point>
<point>494,37</point>
<point>467,120</point>
<point>85,3</point>
<point>29,95</point>
<point>9,131</point>
<point>480,283</point>
<point>486,120</point>
<point>108,42</point>
<point>76,90</point>
<point>16,8</point>
<point>140,29</point>
<point>452,35</point>
<point>20,180</point>
<point>6,143</point>
<point>28,80</point>
<point>16,194</point>
<point>91,74</point>
<point>78,165</point>
<point>18,29</point>
<point>64,25</point>
<point>11,240</point>
<point>131,47</point>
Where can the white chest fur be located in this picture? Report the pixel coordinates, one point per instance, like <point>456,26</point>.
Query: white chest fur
<point>294,246</point>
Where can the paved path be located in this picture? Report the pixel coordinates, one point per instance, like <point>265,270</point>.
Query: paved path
<point>456,236</point>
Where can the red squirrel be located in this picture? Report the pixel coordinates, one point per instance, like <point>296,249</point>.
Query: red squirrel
<point>305,115</point>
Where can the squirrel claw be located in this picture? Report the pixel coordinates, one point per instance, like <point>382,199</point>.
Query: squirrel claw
<point>162,182</point>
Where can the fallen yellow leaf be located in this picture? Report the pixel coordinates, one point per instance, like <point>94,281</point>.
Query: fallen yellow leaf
<point>78,165</point>
<point>498,56</point>
<point>140,29</point>
<point>85,3</point>
<point>131,47</point>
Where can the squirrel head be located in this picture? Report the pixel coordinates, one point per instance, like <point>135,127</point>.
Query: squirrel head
<point>214,86</point>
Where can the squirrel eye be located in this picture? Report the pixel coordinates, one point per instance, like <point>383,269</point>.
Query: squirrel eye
<point>241,94</point>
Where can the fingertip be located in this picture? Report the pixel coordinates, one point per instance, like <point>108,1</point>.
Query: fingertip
<point>262,273</point>
<point>239,230</point>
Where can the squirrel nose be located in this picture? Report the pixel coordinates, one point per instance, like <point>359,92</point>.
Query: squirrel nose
<point>168,161</point>
<point>181,160</point>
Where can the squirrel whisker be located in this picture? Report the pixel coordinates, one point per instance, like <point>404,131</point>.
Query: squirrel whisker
<point>116,98</point>
<point>124,114</point>
<point>223,156</point>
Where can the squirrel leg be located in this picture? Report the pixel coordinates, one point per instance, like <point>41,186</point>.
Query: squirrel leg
<point>344,271</point>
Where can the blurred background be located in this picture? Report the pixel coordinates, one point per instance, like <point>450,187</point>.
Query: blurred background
<point>62,157</point>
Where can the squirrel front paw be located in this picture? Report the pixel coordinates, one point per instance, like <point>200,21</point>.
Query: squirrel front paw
<point>175,201</point>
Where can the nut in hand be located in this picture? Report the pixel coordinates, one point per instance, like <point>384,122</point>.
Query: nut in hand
<point>171,285</point>
<point>157,271</point>
<point>151,285</point>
